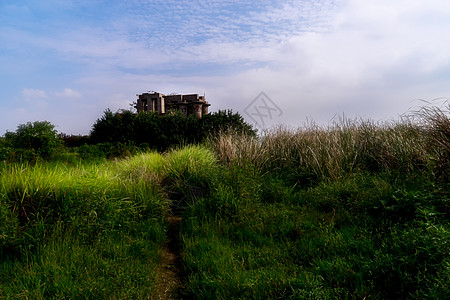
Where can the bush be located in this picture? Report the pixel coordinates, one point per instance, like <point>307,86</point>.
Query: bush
<point>5,152</point>
<point>223,120</point>
<point>33,140</point>
<point>72,141</point>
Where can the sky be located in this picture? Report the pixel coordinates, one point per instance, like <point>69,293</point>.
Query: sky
<point>275,62</point>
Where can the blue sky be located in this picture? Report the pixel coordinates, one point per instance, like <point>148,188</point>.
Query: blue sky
<point>67,61</point>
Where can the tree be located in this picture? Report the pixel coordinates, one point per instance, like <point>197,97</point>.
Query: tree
<point>163,131</point>
<point>224,120</point>
<point>39,138</point>
<point>114,127</point>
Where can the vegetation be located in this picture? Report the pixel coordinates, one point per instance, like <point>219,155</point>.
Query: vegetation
<point>356,210</point>
<point>80,232</point>
<point>30,141</point>
<point>119,134</point>
<point>162,132</point>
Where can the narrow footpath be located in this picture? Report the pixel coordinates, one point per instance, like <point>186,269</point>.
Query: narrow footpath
<point>169,280</point>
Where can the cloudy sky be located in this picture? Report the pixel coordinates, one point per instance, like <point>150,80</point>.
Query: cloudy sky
<point>66,61</point>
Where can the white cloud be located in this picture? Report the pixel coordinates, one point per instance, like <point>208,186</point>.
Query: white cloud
<point>68,93</point>
<point>314,58</point>
<point>373,59</point>
<point>33,93</point>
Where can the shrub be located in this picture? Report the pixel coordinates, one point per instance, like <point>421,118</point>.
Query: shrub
<point>72,141</point>
<point>91,152</point>
<point>31,140</point>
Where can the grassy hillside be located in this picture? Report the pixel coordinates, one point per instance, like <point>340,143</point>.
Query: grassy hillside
<point>356,210</point>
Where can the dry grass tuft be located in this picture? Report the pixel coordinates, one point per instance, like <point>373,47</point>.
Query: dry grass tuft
<point>317,153</point>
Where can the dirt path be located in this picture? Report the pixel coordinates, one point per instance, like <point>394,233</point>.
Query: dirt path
<point>168,281</point>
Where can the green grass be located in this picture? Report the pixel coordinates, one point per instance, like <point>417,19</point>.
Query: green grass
<point>66,266</point>
<point>355,238</point>
<point>355,211</point>
<point>92,230</point>
<point>80,232</point>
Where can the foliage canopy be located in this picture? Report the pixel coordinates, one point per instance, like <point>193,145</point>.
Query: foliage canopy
<point>32,140</point>
<point>162,131</point>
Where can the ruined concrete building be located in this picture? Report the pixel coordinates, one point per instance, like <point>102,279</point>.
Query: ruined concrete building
<point>191,104</point>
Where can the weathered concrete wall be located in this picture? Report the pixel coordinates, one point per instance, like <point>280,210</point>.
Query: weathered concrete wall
<point>188,104</point>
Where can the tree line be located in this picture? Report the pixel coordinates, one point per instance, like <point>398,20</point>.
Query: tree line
<point>117,133</point>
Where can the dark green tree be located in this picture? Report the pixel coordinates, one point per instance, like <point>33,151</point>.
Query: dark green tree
<point>114,127</point>
<point>224,120</point>
<point>163,131</point>
<point>38,138</point>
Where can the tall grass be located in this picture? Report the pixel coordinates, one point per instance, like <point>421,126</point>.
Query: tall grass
<point>355,210</point>
<point>93,230</point>
<point>183,174</point>
<point>315,153</point>
<point>83,231</point>
<point>435,123</point>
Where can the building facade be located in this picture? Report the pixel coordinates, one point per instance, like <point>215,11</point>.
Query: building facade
<point>191,104</point>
